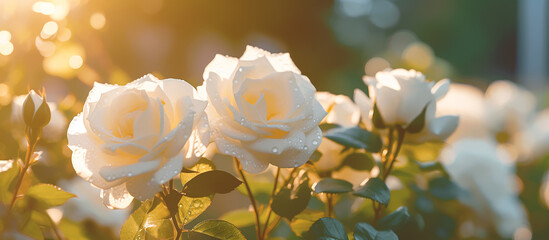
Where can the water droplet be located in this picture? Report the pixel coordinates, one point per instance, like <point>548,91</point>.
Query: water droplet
<point>275,150</point>
<point>297,106</point>
<point>305,147</point>
<point>130,174</point>
<point>240,69</point>
<point>315,142</point>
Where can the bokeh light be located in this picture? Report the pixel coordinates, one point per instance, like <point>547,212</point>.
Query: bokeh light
<point>76,61</point>
<point>97,21</point>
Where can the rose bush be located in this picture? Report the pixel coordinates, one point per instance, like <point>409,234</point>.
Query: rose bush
<point>131,139</point>
<point>262,110</point>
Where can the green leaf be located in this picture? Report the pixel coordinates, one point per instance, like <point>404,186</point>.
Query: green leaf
<point>240,217</point>
<point>203,165</point>
<point>359,161</point>
<point>355,137</point>
<point>6,180</point>
<point>215,229</point>
<point>243,217</point>
<point>332,185</point>
<point>326,228</point>
<point>418,123</point>
<point>424,204</point>
<point>210,182</point>
<point>377,120</point>
<point>443,188</point>
<point>149,220</point>
<point>315,156</point>
<point>290,202</point>
<point>430,166</point>
<point>48,195</point>
<point>375,189</point>
<point>394,219</point>
<point>190,208</point>
<point>364,231</point>
<point>72,230</point>
<point>327,126</point>
<point>302,222</point>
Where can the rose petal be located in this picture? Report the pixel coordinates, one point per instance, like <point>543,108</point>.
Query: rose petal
<point>365,105</point>
<point>197,144</point>
<point>142,187</point>
<point>281,62</point>
<point>170,168</point>
<point>249,162</point>
<point>112,173</point>
<point>88,158</point>
<point>116,197</point>
<point>441,88</point>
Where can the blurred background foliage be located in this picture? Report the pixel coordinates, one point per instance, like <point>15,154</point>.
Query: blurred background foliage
<point>66,45</point>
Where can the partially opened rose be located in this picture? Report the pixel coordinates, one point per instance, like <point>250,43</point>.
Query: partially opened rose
<point>53,131</point>
<point>131,139</point>
<point>342,111</point>
<point>401,96</point>
<point>262,111</point>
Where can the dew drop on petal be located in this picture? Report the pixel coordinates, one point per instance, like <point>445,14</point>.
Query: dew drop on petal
<point>315,142</point>
<point>275,150</point>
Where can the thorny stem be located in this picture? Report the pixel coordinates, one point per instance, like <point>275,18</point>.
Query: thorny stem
<point>271,202</point>
<point>252,199</point>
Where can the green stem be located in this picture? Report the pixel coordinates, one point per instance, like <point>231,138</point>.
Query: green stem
<point>400,132</point>
<point>329,204</point>
<point>388,150</point>
<point>54,227</point>
<point>26,164</point>
<point>172,216</point>
<point>271,202</point>
<point>252,199</point>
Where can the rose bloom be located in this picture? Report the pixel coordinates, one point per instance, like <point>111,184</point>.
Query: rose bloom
<point>131,139</point>
<point>342,111</point>
<point>262,110</point>
<point>401,96</point>
<point>486,173</point>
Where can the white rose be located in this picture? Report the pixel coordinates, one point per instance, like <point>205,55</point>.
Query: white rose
<point>401,96</point>
<point>469,104</point>
<point>341,111</point>
<point>53,131</point>
<point>485,172</point>
<point>131,139</point>
<point>262,110</point>
<point>511,108</point>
